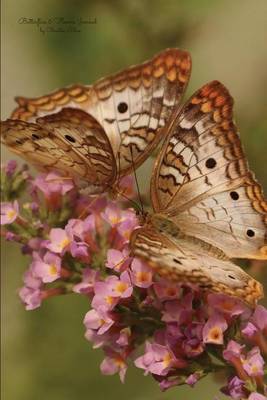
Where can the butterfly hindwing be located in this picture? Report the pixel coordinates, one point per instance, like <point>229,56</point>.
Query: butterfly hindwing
<point>229,220</point>
<point>179,260</point>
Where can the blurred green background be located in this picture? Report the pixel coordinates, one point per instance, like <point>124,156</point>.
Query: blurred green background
<point>44,354</point>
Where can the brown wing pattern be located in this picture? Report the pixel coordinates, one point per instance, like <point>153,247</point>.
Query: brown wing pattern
<point>29,109</point>
<point>70,141</point>
<point>202,181</point>
<point>137,102</point>
<point>131,105</point>
<point>229,221</point>
<point>179,261</point>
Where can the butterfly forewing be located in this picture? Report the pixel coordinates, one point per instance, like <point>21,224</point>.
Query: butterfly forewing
<point>84,135</point>
<point>153,90</point>
<point>201,178</point>
<point>132,106</point>
<point>70,141</point>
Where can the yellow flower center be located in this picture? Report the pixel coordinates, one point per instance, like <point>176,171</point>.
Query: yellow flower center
<point>215,334</point>
<point>109,300</point>
<point>142,276</point>
<point>121,287</point>
<point>11,214</point>
<point>119,362</point>
<point>114,219</point>
<point>52,269</point>
<point>64,243</point>
<point>167,359</point>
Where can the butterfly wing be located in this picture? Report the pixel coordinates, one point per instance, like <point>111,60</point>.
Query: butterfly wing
<point>132,106</point>
<point>69,141</point>
<point>202,182</point>
<point>183,262</point>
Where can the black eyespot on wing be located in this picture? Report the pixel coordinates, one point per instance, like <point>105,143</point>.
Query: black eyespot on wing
<point>210,163</point>
<point>232,277</point>
<point>18,141</point>
<point>250,233</point>
<point>177,261</point>
<point>70,138</point>
<point>35,137</point>
<point>234,195</point>
<point>122,107</point>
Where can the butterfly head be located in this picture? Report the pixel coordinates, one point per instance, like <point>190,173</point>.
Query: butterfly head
<point>143,216</point>
<point>164,225</point>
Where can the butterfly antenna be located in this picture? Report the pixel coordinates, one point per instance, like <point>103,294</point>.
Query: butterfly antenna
<point>136,181</point>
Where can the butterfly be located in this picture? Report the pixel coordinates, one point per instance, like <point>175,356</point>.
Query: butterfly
<point>208,208</point>
<point>100,133</point>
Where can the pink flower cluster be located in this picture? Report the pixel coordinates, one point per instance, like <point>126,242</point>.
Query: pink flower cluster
<point>81,245</point>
